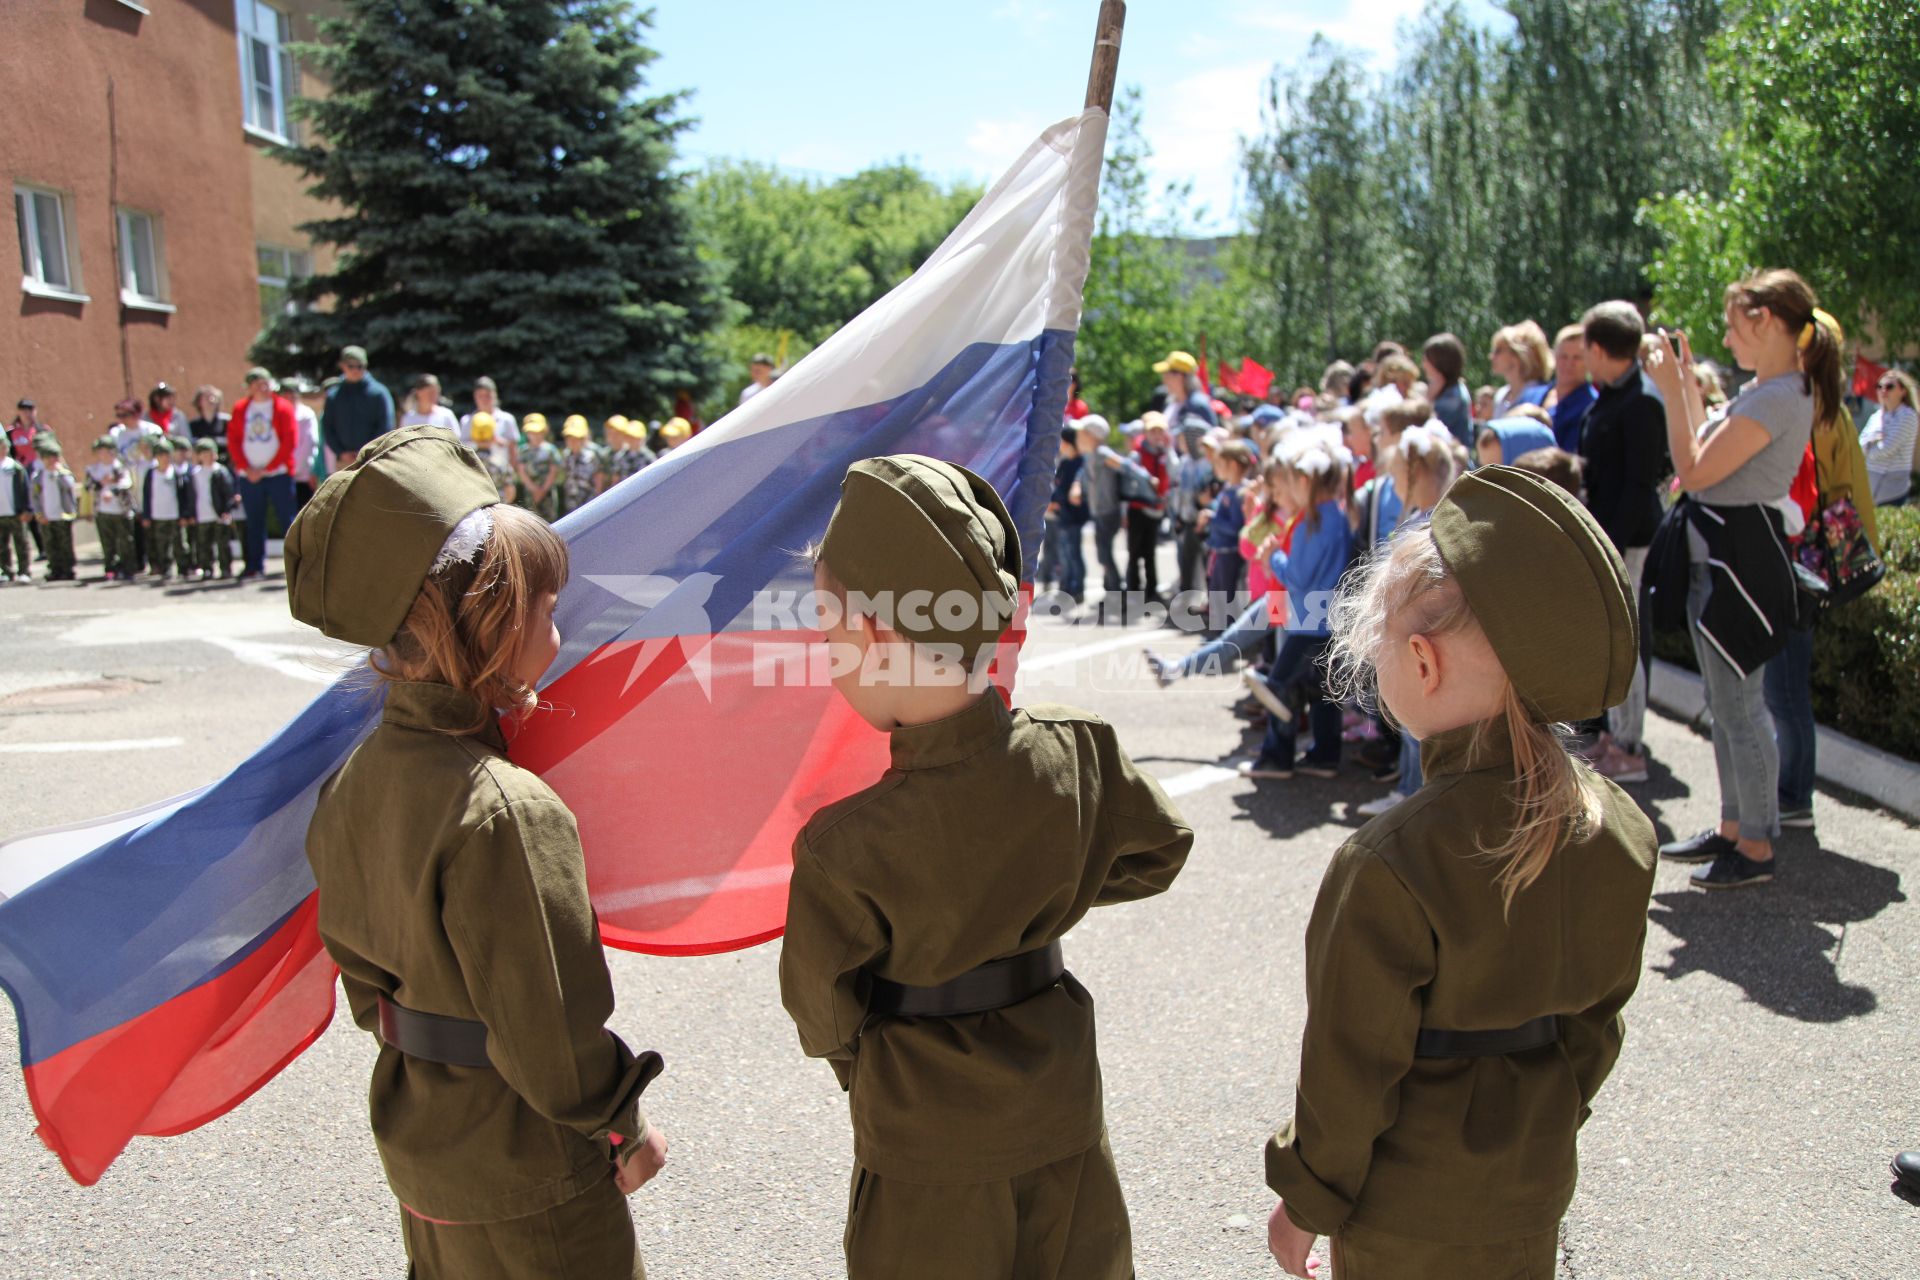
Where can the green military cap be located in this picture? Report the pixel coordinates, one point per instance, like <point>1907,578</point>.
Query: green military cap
<point>163,445</point>
<point>48,446</point>
<point>908,524</point>
<point>1547,587</point>
<point>360,549</point>
<point>103,442</point>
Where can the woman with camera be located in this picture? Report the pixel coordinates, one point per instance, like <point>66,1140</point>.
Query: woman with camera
<point>1741,597</point>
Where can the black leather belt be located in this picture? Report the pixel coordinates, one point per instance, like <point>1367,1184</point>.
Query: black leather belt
<point>433,1037</point>
<point>993,985</point>
<point>1537,1034</point>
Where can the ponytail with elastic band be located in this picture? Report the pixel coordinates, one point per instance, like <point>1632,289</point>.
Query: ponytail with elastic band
<point>1820,318</point>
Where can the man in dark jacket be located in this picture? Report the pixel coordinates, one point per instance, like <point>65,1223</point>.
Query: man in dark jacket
<point>1623,450</point>
<point>358,409</point>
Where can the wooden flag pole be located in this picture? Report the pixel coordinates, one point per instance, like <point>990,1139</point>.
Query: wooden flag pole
<point>1106,54</point>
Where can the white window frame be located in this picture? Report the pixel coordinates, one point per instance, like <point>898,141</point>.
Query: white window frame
<point>287,273</point>
<point>27,220</point>
<point>130,294</point>
<point>282,79</point>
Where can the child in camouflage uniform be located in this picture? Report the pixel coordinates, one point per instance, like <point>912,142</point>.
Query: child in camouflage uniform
<point>111,485</point>
<point>630,454</point>
<point>495,454</point>
<point>16,513</point>
<point>538,468</point>
<point>55,505</point>
<point>583,468</point>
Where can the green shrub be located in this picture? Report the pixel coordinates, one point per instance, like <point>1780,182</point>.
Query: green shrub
<point>1866,654</point>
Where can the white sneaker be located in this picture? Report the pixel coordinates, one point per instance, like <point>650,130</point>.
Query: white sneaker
<point>1266,697</point>
<point>1385,804</point>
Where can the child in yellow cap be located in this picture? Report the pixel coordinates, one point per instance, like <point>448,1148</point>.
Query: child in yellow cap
<point>922,955</point>
<point>538,468</point>
<point>1470,950</point>
<point>583,467</point>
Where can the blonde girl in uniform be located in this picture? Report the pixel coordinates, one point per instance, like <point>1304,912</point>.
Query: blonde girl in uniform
<point>1470,951</point>
<point>452,894</point>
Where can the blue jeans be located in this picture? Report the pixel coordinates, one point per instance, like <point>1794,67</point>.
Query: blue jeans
<point>1789,692</point>
<point>1105,529</point>
<point>1236,644</point>
<point>255,497</point>
<point>1411,779</point>
<point>1062,554</point>
<point>1296,664</point>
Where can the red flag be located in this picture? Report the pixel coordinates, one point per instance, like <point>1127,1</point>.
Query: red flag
<point>1255,379</point>
<point>1866,376</point>
<point>1228,382</point>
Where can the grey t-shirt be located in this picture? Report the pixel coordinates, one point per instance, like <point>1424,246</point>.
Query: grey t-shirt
<point>1783,406</point>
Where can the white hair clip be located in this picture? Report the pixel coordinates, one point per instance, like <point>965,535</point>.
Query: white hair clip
<point>1426,439</point>
<point>465,542</point>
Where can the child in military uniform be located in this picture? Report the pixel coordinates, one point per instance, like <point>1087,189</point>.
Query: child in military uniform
<point>166,503</point>
<point>583,469</point>
<point>211,538</point>
<point>16,513</point>
<point>538,468</point>
<point>54,504</point>
<point>630,454</point>
<point>1470,951</point>
<point>495,454</point>
<point>111,485</point>
<point>451,889</point>
<point>922,953</point>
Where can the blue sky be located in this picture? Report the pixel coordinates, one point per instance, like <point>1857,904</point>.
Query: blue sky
<point>828,87</point>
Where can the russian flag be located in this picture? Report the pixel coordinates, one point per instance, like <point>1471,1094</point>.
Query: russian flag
<point>164,964</point>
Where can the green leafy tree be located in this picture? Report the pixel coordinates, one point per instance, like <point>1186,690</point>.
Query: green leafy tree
<point>803,257</point>
<point>1825,145</point>
<point>509,205</point>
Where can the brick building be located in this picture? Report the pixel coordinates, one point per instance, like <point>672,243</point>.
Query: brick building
<point>154,233</point>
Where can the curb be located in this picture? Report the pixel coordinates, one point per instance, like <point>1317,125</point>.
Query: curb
<point>1886,779</point>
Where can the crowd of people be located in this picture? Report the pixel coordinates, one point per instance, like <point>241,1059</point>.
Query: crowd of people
<point>1269,509</point>
<point>171,494</point>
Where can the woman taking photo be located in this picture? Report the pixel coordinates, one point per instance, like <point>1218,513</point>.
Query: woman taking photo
<point>1740,590</point>
<point>1888,438</point>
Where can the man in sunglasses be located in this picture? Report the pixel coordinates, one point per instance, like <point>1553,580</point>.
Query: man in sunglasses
<point>358,409</point>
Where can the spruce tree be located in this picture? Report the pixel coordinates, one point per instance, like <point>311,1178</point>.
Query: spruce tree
<point>508,206</point>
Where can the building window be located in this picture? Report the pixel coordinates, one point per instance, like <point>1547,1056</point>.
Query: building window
<point>278,269</point>
<point>47,263</point>
<point>143,261</point>
<point>266,68</point>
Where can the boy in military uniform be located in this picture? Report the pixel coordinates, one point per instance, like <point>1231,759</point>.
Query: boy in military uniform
<point>922,955</point>
<point>55,504</point>
<point>583,468</point>
<point>495,454</point>
<point>538,468</point>
<point>451,888</point>
<point>16,513</point>
<point>630,454</point>
<point>1471,949</point>
<point>166,504</point>
<point>211,538</point>
<point>112,488</point>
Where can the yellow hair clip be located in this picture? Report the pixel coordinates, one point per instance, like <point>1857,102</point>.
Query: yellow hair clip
<point>1820,317</point>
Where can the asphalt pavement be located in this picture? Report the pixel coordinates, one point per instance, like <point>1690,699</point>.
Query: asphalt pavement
<point>1767,1076</point>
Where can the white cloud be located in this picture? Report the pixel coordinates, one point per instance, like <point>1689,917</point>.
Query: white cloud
<point>1194,126</point>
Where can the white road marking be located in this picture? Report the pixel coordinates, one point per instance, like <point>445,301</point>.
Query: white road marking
<point>295,661</point>
<point>103,744</point>
<point>1062,657</point>
<point>1185,784</point>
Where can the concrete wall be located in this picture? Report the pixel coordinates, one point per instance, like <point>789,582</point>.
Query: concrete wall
<point>171,144</point>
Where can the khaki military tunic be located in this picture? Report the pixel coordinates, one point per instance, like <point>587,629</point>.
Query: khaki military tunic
<point>451,882</point>
<point>1408,932</point>
<point>991,835</point>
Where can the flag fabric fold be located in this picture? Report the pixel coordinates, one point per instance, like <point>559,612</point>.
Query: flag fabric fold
<point>164,964</point>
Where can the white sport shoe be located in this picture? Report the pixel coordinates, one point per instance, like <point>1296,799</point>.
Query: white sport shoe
<point>1266,697</point>
<point>1384,804</point>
